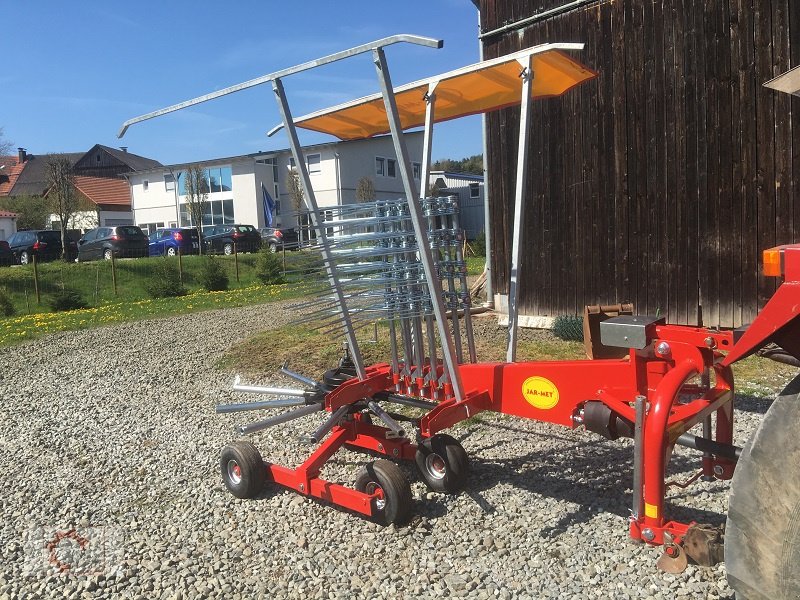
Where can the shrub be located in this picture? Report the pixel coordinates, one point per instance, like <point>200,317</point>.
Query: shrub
<point>166,281</point>
<point>268,267</point>
<point>568,327</point>
<point>67,299</point>
<point>6,307</point>
<point>212,275</point>
<point>478,245</point>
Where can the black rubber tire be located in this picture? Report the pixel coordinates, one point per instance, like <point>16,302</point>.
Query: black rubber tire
<point>227,249</point>
<point>452,461</point>
<point>273,247</point>
<point>395,486</point>
<point>762,535</point>
<point>249,480</point>
<point>24,258</point>
<point>108,253</point>
<point>171,251</point>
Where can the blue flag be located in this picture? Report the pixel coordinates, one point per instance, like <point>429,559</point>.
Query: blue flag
<point>268,205</point>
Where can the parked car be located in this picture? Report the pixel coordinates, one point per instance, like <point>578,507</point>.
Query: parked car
<point>44,244</point>
<point>170,241</point>
<point>123,241</point>
<point>276,239</point>
<point>6,256</point>
<point>221,238</point>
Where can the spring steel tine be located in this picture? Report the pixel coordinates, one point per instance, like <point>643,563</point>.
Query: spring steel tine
<point>278,403</point>
<point>277,420</point>
<point>340,330</point>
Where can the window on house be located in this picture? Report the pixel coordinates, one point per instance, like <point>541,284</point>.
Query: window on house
<point>145,185</point>
<point>169,182</point>
<point>380,166</point>
<point>291,162</point>
<point>217,212</point>
<point>391,167</point>
<point>417,170</point>
<point>474,190</point>
<point>314,163</point>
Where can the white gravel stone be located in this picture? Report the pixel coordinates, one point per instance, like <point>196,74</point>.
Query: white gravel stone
<point>112,433</point>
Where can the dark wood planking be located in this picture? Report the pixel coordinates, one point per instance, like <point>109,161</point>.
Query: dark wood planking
<point>710,161</point>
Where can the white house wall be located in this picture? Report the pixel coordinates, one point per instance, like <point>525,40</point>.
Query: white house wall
<point>342,165</point>
<point>8,227</point>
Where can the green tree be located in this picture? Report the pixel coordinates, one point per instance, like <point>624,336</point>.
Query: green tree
<point>32,210</point>
<point>471,164</point>
<point>196,186</point>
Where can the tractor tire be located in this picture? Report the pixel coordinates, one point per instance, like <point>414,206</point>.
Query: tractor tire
<point>388,478</point>
<point>243,470</point>
<point>762,535</point>
<point>443,464</point>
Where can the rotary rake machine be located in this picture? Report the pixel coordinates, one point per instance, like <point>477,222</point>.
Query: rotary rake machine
<point>400,261</point>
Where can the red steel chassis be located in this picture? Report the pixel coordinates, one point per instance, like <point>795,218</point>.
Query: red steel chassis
<point>665,373</point>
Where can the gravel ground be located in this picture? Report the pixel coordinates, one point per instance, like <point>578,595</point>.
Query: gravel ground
<point>112,433</point>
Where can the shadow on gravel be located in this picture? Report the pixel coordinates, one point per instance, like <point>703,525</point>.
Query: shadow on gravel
<point>595,475</point>
<point>752,404</point>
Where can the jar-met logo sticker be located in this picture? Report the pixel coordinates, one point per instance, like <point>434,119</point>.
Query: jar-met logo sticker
<point>540,392</point>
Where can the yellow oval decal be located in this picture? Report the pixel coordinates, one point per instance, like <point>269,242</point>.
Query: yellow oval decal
<point>540,392</point>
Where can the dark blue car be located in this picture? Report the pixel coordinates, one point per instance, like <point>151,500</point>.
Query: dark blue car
<point>170,241</point>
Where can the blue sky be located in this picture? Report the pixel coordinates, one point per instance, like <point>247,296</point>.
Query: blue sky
<point>71,73</point>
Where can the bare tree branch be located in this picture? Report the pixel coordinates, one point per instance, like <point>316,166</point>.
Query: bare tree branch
<point>63,197</point>
<point>5,145</point>
<point>197,189</point>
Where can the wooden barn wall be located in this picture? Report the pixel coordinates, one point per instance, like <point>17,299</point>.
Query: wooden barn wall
<point>661,181</point>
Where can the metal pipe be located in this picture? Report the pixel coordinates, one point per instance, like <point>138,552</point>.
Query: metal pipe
<point>638,455</point>
<point>321,431</point>
<point>487,221</point>
<point>277,420</point>
<point>708,446</point>
<point>546,14</point>
<point>393,39</point>
<point>519,206</point>
<point>298,377</point>
<point>258,389</point>
<point>386,418</point>
<point>279,403</point>
<point>305,179</point>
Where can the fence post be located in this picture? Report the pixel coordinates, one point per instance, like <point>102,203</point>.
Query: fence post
<point>114,272</point>
<point>36,280</point>
<point>180,264</point>
<point>236,261</point>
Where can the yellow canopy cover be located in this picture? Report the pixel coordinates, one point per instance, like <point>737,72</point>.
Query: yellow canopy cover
<point>475,89</point>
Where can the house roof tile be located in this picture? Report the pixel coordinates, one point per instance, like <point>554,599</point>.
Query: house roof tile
<point>104,191</point>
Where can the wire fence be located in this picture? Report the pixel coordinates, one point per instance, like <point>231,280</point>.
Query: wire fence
<point>32,287</point>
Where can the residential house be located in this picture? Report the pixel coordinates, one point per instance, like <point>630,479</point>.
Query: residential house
<point>469,189</point>
<point>8,224</point>
<point>97,178</point>
<point>235,183</point>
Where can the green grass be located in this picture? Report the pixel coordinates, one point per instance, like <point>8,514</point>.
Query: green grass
<point>25,327</point>
<point>94,280</point>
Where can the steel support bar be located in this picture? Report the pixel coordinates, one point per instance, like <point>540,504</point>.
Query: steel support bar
<point>709,446</point>
<point>427,139</point>
<point>277,420</point>
<point>311,200</point>
<point>258,389</point>
<point>519,206</point>
<point>280,403</point>
<point>298,377</point>
<point>434,285</point>
<point>638,456</point>
<point>393,39</point>
<point>396,428</point>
